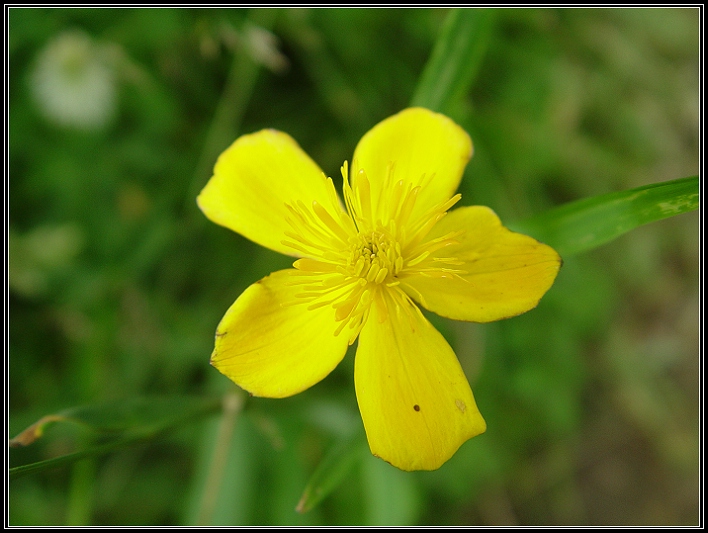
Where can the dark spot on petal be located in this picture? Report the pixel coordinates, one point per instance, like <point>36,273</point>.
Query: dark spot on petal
<point>416,407</point>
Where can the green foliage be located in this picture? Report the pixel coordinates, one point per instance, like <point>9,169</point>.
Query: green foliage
<point>455,60</point>
<point>583,121</point>
<point>586,224</point>
<point>331,471</point>
<point>127,421</point>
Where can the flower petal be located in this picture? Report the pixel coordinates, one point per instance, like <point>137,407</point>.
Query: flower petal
<point>506,273</point>
<point>253,181</point>
<point>415,401</point>
<point>419,144</point>
<point>271,345</point>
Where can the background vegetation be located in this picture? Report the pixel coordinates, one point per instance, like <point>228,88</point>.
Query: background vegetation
<point>117,281</point>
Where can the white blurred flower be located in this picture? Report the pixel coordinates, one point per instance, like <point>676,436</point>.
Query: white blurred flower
<point>38,255</point>
<point>74,82</point>
<point>262,46</point>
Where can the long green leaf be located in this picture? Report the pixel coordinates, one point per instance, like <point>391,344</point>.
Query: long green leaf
<point>127,422</point>
<point>456,58</point>
<point>586,224</point>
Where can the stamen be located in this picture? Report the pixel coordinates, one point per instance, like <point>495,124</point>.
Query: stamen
<point>407,206</point>
<point>345,308</point>
<point>381,307</point>
<point>359,267</point>
<point>295,247</point>
<point>398,264</point>
<point>312,265</point>
<point>380,276</point>
<point>315,227</point>
<point>393,201</point>
<point>373,271</point>
<point>418,259</point>
<point>363,193</point>
<point>325,217</point>
<point>448,260</point>
<point>357,256</point>
<point>360,326</point>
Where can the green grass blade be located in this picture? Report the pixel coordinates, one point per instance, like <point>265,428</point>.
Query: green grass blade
<point>456,58</point>
<point>143,415</point>
<point>127,422</point>
<point>331,471</point>
<point>586,224</point>
<point>62,460</point>
<point>391,495</point>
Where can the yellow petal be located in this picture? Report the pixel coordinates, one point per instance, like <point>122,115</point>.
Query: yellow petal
<point>271,345</point>
<point>254,179</point>
<point>423,148</point>
<point>415,401</point>
<point>506,273</point>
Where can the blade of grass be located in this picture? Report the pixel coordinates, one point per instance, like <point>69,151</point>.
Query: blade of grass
<point>233,402</point>
<point>229,111</point>
<point>456,58</point>
<point>391,495</point>
<point>329,80</point>
<point>586,224</point>
<point>129,421</point>
<point>94,451</point>
<point>331,471</point>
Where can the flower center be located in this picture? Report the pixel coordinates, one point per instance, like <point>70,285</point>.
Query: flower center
<point>375,258</point>
<point>361,256</point>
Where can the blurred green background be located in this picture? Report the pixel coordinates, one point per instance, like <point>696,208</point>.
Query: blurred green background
<point>117,281</point>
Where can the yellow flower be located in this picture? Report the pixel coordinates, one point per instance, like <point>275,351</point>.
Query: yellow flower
<point>362,267</point>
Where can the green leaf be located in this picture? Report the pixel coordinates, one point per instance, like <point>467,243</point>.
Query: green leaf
<point>586,224</point>
<point>456,58</point>
<point>126,421</point>
<point>332,470</point>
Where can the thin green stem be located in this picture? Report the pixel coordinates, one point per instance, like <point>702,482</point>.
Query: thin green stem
<point>81,493</point>
<point>232,405</point>
<point>230,110</point>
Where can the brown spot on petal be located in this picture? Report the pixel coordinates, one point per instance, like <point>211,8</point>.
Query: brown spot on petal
<point>460,405</point>
<point>416,407</point>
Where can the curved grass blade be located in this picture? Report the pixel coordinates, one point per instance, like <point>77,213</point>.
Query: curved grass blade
<point>456,58</point>
<point>586,224</point>
<point>127,422</point>
<point>93,451</point>
<point>332,470</point>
